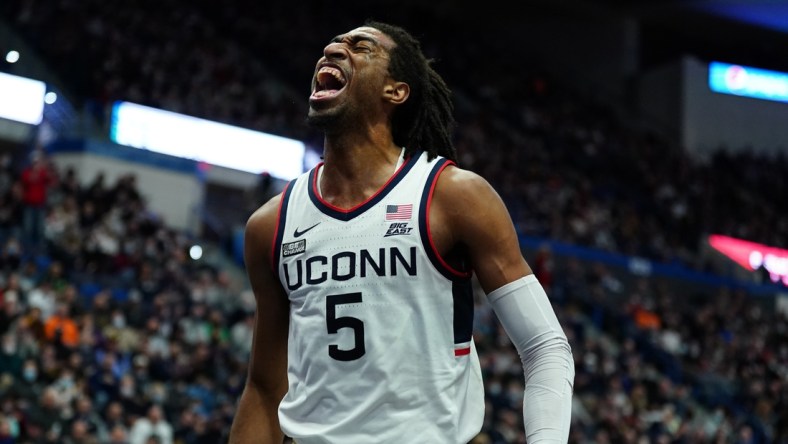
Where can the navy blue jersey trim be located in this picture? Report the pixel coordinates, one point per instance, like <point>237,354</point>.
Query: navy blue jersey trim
<point>424,232</point>
<point>462,292</point>
<point>280,225</point>
<point>346,215</point>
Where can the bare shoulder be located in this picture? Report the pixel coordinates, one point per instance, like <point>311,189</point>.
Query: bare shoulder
<point>456,179</point>
<point>266,216</point>
<point>461,194</point>
<point>261,227</point>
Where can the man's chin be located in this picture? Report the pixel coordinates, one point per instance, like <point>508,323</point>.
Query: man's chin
<point>321,120</point>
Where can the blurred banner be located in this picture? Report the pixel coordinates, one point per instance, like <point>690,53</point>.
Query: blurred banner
<point>754,257</point>
<point>206,141</point>
<point>746,81</point>
<point>21,99</point>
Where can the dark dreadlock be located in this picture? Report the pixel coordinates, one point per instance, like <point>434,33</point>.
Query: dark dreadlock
<point>425,120</point>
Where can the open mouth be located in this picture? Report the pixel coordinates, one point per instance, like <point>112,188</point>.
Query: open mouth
<point>329,81</point>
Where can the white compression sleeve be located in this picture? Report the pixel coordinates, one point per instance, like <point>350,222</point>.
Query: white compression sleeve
<point>525,312</point>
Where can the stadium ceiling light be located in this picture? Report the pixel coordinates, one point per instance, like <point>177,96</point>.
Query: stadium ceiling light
<point>12,56</point>
<point>50,98</point>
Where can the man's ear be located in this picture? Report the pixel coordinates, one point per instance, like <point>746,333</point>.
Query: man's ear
<point>396,92</point>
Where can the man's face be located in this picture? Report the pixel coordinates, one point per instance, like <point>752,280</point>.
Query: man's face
<point>349,78</point>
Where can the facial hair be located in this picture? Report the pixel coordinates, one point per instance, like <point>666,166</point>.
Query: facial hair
<point>330,119</point>
<point>323,122</point>
<point>335,121</point>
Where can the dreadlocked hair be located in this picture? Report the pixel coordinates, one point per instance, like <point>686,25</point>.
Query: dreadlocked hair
<point>425,121</point>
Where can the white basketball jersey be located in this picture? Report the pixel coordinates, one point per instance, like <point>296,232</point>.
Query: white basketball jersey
<point>379,348</point>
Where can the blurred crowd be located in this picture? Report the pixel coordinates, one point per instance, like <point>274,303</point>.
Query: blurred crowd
<point>653,364</point>
<point>110,333</point>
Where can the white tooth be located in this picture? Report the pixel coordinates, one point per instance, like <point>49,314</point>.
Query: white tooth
<point>334,72</point>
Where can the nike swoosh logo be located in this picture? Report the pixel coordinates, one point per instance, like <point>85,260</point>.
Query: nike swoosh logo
<point>301,233</point>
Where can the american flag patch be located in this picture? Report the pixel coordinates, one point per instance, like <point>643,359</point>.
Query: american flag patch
<point>399,212</point>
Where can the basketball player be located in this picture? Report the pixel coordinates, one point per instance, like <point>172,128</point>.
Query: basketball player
<point>362,272</point>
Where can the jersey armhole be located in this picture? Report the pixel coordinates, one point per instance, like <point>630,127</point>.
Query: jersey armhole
<point>438,262</point>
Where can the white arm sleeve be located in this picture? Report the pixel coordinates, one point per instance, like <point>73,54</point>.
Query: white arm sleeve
<point>529,320</point>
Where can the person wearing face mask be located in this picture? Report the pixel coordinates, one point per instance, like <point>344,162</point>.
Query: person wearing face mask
<point>66,387</point>
<point>130,396</point>
<point>21,384</point>
<point>30,371</point>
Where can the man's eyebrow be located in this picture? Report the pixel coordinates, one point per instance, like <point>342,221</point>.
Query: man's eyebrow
<point>354,38</point>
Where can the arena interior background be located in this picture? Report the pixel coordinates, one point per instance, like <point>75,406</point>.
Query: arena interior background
<point>648,185</point>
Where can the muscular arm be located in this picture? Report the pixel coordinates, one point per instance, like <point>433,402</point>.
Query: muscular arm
<point>256,419</point>
<point>468,212</point>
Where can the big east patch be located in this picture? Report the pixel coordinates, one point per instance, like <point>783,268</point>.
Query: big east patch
<point>398,228</point>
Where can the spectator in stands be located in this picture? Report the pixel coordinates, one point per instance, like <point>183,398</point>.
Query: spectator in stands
<point>45,420</point>
<point>10,312</point>
<point>10,360</point>
<point>65,387</point>
<point>114,416</point>
<point>43,298</point>
<point>62,229</point>
<point>241,335</point>
<point>36,178</point>
<point>80,433</point>
<point>12,209</point>
<point>260,192</point>
<point>131,396</point>
<point>118,435</point>
<point>154,424</point>
<point>11,254</point>
<point>84,412</point>
<point>7,173</point>
<point>5,432</point>
<point>61,329</point>
<point>68,185</point>
<point>543,267</point>
<point>98,193</point>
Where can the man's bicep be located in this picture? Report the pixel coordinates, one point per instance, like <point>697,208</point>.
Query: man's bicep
<point>268,365</point>
<point>481,222</point>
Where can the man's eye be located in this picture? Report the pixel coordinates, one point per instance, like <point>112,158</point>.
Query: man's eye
<point>362,48</point>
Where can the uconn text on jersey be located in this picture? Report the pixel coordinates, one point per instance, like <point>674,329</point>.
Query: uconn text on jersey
<point>346,265</point>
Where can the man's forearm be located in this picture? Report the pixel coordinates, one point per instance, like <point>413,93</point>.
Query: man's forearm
<point>530,322</point>
<point>256,420</point>
<point>547,403</point>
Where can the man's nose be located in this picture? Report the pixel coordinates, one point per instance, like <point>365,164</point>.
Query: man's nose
<point>334,51</point>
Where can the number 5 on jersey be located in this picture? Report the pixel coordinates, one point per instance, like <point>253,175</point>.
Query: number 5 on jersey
<point>334,324</point>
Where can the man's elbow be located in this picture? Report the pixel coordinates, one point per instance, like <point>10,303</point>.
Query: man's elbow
<point>553,354</point>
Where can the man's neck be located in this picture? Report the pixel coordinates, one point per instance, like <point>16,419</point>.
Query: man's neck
<point>356,168</point>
